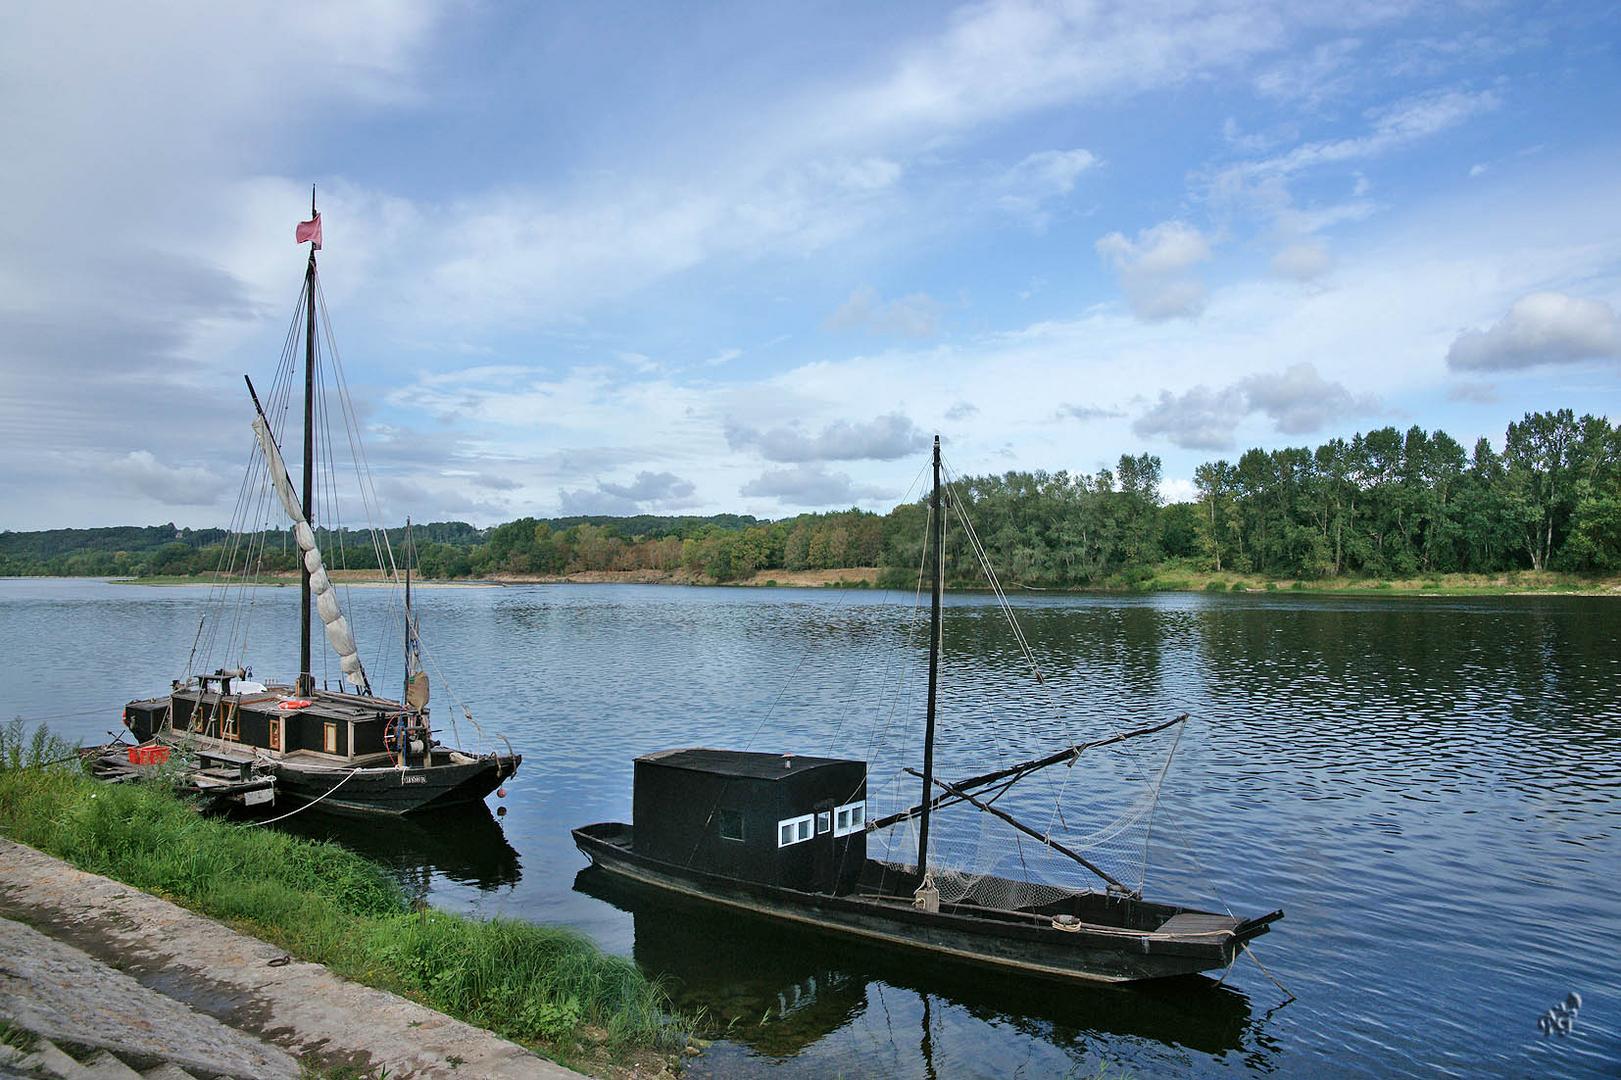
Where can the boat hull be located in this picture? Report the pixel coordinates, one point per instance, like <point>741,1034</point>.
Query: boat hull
<point>389,791</point>
<point>1093,954</point>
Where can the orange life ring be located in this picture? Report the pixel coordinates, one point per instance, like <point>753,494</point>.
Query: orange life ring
<point>295,703</point>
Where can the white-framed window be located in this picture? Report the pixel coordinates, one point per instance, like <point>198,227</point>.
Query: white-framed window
<point>824,821</point>
<point>795,830</point>
<point>849,818</point>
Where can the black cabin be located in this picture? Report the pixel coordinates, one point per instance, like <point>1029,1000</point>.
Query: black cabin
<point>777,819</point>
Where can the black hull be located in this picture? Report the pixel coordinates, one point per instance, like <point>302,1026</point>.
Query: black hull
<point>1022,942</point>
<point>388,790</point>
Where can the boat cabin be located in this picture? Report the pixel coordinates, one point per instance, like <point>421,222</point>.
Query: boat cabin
<point>776,819</point>
<point>340,728</point>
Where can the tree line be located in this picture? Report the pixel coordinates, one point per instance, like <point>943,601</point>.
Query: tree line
<point>1388,503</point>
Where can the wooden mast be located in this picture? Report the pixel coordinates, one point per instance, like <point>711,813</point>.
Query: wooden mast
<point>306,676</point>
<point>938,528</point>
<point>410,549</point>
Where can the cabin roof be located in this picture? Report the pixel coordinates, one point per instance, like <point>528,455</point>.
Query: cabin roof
<point>742,763</point>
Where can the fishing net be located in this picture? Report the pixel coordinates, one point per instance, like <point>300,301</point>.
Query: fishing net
<point>1082,824</point>
<point>1100,807</point>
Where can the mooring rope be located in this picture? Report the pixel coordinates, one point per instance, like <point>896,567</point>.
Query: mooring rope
<point>306,806</point>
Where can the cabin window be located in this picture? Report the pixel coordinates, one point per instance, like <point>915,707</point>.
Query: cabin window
<point>329,738</point>
<point>850,818</point>
<point>275,733</point>
<point>824,821</point>
<point>731,824</point>
<point>795,830</point>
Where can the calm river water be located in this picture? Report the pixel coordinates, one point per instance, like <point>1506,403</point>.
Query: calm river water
<point>1431,789</point>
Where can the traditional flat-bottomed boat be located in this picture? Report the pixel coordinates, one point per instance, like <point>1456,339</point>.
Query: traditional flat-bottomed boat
<point>785,837</point>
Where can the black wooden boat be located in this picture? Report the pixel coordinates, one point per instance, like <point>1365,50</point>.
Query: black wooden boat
<point>785,837</point>
<point>779,987</point>
<point>348,749</point>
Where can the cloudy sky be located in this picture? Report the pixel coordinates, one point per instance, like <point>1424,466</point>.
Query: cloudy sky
<point>748,257</point>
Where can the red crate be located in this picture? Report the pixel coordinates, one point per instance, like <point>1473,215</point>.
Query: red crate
<point>148,755</point>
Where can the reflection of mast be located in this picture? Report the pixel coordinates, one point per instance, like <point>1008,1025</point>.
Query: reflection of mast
<point>926,1047</point>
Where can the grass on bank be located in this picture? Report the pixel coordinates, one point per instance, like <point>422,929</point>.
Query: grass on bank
<point>544,986</point>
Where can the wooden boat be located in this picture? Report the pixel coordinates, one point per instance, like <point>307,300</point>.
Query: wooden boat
<point>785,837</point>
<point>348,749</point>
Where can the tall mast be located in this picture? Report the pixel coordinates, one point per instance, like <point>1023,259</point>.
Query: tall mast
<point>306,676</point>
<point>410,549</point>
<point>937,541</point>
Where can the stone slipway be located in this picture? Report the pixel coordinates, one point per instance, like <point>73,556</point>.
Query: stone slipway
<point>278,1013</point>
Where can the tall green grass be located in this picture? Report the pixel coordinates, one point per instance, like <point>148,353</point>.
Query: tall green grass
<point>539,984</point>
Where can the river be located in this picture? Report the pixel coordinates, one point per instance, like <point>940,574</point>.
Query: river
<point>1429,787</point>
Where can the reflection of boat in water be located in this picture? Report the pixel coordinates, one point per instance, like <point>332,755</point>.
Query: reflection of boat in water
<point>758,984</point>
<point>779,988</point>
<point>464,844</point>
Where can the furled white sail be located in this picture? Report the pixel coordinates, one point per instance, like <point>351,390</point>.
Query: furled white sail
<point>338,634</point>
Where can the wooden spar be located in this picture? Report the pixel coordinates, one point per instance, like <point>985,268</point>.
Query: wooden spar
<point>306,676</point>
<point>938,521</point>
<point>952,789</point>
<point>1018,772</point>
<point>1069,752</point>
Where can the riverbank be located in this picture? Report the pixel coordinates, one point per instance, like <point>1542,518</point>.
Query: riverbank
<point>546,988</point>
<point>855,577</point>
<point>1509,583</point>
<point>1169,577</point>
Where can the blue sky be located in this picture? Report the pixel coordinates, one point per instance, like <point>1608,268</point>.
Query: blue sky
<point>700,258</point>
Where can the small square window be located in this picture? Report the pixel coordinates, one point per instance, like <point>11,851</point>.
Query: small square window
<point>795,830</point>
<point>731,824</point>
<point>824,822</point>
<point>852,817</point>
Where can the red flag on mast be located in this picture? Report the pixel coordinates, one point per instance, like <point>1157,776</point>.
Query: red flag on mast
<point>310,230</point>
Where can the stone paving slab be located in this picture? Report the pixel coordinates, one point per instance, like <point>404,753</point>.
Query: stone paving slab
<point>62,993</point>
<point>300,1007</point>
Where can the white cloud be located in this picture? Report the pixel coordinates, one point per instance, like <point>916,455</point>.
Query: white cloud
<point>1299,401</point>
<point>1039,178</point>
<point>169,485</point>
<point>811,486</point>
<point>1196,419</point>
<point>1086,412</point>
<point>884,438</point>
<point>1155,269</point>
<point>1303,262</point>
<point>1472,393</point>
<point>648,491</point>
<point>1309,79</point>
<point>916,315</point>
<point>1541,328</point>
<point>1400,124</point>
